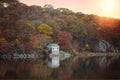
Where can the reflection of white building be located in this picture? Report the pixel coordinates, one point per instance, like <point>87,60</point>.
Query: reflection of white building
<point>53,48</point>
<point>54,62</point>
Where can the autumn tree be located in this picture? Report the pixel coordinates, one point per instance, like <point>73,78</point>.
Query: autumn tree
<point>49,9</point>
<point>64,39</point>
<point>70,19</point>
<point>46,29</point>
<point>4,46</point>
<point>40,40</point>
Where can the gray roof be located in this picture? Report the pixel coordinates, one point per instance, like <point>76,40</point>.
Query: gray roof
<point>53,44</point>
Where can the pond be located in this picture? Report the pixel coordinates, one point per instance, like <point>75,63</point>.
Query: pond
<point>61,68</point>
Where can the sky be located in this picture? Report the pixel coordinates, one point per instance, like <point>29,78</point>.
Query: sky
<point>107,8</point>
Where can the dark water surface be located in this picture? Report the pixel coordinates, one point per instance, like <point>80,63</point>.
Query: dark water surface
<point>56,68</point>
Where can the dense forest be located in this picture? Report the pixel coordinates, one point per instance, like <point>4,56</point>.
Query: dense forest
<point>24,29</point>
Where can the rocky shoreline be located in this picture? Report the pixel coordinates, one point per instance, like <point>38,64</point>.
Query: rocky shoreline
<point>98,54</point>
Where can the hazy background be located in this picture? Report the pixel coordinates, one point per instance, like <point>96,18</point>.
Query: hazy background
<point>108,8</point>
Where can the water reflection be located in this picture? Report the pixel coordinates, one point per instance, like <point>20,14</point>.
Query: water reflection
<point>61,68</point>
<point>103,62</point>
<point>96,68</point>
<point>54,62</point>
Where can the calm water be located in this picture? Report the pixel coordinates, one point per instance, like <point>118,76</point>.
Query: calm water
<point>57,68</point>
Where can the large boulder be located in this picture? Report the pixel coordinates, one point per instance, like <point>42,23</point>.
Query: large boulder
<point>104,46</point>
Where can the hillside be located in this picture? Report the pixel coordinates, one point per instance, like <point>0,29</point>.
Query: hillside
<point>27,28</point>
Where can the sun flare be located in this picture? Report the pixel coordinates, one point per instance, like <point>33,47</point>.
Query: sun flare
<point>109,7</point>
<point>108,4</point>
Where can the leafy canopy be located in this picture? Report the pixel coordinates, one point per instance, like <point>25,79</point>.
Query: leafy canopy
<point>46,29</point>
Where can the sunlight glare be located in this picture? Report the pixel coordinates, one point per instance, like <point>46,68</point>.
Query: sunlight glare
<point>109,7</point>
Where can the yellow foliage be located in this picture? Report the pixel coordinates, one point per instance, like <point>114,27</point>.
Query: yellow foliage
<point>31,24</point>
<point>75,58</point>
<point>2,40</point>
<point>38,47</point>
<point>46,16</point>
<point>87,46</point>
<point>75,52</point>
<point>17,41</point>
<point>44,28</point>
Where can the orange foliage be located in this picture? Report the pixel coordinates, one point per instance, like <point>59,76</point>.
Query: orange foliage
<point>2,40</point>
<point>40,40</point>
<point>64,39</point>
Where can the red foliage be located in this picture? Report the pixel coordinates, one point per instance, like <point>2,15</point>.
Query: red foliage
<point>75,65</point>
<point>64,39</point>
<point>28,48</point>
<point>69,21</point>
<point>5,33</point>
<point>4,48</point>
<point>40,39</point>
<point>11,19</point>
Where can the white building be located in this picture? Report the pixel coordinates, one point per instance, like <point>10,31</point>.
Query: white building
<point>54,62</point>
<point>53,48</point>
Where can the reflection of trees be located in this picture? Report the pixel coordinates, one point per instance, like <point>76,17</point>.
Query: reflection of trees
<point>106,61</point>
<point>54,73</point>
<point>65,70</point>
<point>41,71</point>
<point>26,70</point>
<point>109,67</point>
<point>76,68</point>
<point>98,67</point>
<point>113,71</point>
<point>85,68</point>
